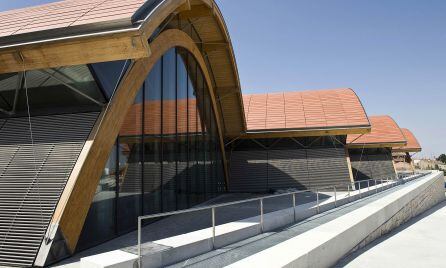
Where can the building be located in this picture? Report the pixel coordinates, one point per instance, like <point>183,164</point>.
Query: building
<point>112,110</point>
<point>371,154</point>
<point>402,156</point>
<point>295,140</point>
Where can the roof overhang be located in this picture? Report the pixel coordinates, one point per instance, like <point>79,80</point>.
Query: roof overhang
<point>307,132</point>
<point>385,133</point>
<point>375,145</point>
<point>65,48</point>
<point>407,150</point>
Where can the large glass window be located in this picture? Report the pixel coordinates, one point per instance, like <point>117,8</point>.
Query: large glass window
<point>100,225</point>
<point>130,166</point>
<point>57,90</point>
<point>167,155</point>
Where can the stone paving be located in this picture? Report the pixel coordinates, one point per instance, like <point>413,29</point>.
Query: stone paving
<point>418,243</point>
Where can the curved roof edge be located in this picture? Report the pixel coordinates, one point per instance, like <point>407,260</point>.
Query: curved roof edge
<point>412,143</point>
<point>68,45</point>
<point>385,132</point>
<point>324,112</point>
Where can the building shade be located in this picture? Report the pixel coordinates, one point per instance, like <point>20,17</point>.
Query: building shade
<point>305,110</point>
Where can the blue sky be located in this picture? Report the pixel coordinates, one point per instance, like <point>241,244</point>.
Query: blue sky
<point>393,53</point>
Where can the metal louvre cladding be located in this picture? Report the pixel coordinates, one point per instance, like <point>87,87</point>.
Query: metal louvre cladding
<point>373,164</point>
<point>272,164</point>
<point>33,176</point>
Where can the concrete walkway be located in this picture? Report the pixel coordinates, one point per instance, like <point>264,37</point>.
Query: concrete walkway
<point>230,254</point>
<point>184,223</point>
<point>418,243</point>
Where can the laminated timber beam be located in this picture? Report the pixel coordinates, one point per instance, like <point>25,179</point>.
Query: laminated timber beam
<point>132,44</point>
<point>72,209</point>
<point>375,145</point>
<point>73,51</point>
<point>305,133</point>
<point>198,11</point>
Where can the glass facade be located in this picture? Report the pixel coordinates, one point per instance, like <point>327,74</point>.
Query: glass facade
<point>50,91</point>
<point>167,155</point>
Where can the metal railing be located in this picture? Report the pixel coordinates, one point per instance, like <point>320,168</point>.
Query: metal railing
<point>379,184</point>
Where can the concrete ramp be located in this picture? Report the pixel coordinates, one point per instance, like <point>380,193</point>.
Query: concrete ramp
<point>324,245</point>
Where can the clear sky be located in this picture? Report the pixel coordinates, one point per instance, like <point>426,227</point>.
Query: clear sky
<point>393,53</point>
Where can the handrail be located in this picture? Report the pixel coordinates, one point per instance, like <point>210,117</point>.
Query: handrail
<point>396,181</point>
<point>164,214</point>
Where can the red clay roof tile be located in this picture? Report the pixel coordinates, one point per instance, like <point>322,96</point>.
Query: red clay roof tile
<point>384,130</point>
<point>64,14</point>
<point>304,110</point>
<point>412,143</point>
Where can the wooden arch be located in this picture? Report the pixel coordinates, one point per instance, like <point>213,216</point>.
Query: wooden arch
<point>131,43</point>
<point>75,201</point>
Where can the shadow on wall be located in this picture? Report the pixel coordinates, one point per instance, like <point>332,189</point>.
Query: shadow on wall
<point>267,171</point>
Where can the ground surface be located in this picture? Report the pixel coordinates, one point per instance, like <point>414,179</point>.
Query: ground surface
<point>229,254</point>
<point>418,243</point>
<point>180,224</point>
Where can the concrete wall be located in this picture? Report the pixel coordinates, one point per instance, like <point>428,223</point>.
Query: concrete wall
<point>324,245</point>
<point>431,196</point>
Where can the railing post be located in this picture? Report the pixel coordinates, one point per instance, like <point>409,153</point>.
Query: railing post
<point>376,187</point>
<point>294,206</point>
<point>261,215</point>
<point>139,242</point>
<point>213,228</point>
<point>317,200</point>
<point>348,189</point>
<point>368,186</point>
<point>359,187</point>
<point>335,203</point>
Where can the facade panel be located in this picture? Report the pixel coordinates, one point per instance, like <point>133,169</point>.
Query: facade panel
<point>266,165</point>
<point>374,163</point>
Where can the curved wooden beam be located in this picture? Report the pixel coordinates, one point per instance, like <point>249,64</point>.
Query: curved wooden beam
<point>76,199</point>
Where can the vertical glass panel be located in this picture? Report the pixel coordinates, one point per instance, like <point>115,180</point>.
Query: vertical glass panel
<point>168,154</point>
<point>100,223</point>
<point>169,130</point>
<point>108,74</point>
<point>201,180</point>
<point>152,140</point>
<point>130,167</point>
<point>192,131</point>
<point>182,147</point>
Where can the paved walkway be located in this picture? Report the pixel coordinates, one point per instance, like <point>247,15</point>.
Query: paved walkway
<point>184,223</point>
<point>420,242</point>
<point>227,255</point>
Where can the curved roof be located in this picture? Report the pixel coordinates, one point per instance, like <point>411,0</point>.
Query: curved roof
<point>385,133</point>
<point>305,110</point>
<point>73,32</point>
<point>67,15</point>
<point>412,143</point>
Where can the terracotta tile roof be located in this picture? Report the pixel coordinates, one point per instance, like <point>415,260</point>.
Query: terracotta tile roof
<point>412,143</point>
<point>318,109</point>
<point>384,131</point>
<point>65,14</point>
